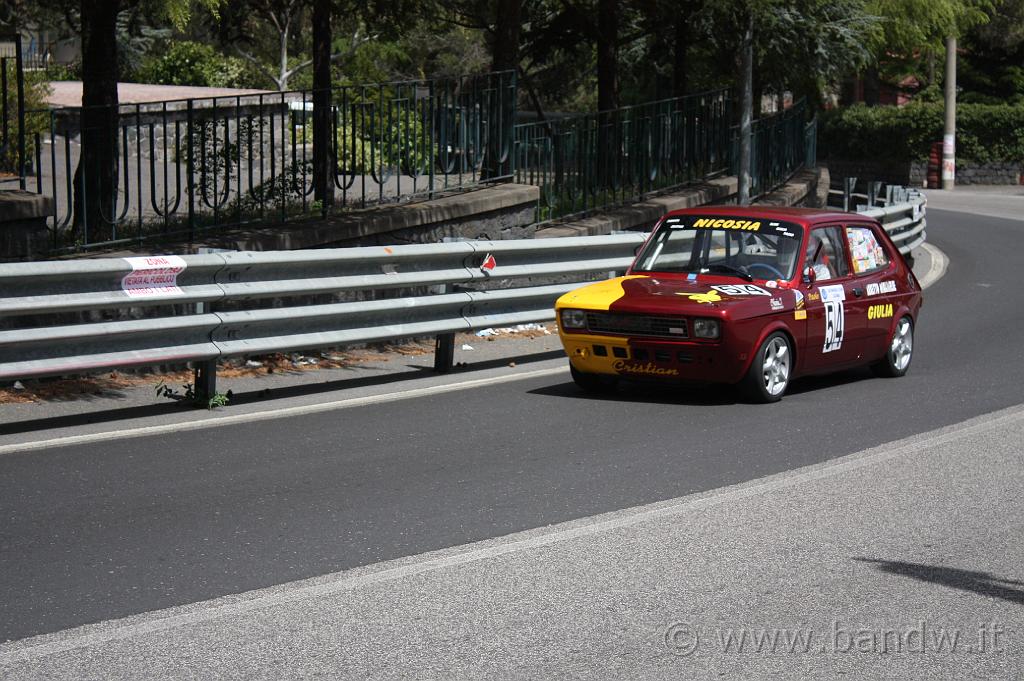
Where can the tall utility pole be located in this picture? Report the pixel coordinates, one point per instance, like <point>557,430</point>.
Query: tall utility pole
<point>949,136</point>
<point>746,111</point>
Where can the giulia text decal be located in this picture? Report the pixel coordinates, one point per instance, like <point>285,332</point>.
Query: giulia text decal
<point>880,311</point>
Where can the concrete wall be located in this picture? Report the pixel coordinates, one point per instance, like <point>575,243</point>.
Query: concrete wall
<point>23,231</point>
<point>915,173</point>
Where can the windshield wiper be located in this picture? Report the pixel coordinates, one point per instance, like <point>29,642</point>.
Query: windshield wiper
<point>718,267</point>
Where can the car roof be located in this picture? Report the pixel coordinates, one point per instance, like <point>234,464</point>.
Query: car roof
<point>803,216</point>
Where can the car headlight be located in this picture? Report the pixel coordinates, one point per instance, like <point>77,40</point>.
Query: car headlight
<point>574,319</point>
<point>706,328</point>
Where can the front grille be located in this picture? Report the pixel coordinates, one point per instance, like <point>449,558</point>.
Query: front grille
<point>637,325</point>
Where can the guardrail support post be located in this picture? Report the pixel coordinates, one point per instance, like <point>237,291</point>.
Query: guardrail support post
<point>204,374</point>
<point>205,378</point>
<point>848,186</point>
<point>444,344</point>
<point>444,352</point>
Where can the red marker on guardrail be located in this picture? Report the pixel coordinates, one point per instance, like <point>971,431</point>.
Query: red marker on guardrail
<point>488,264</point>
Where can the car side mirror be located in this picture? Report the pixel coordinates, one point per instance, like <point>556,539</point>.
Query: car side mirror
<point>809,276</point>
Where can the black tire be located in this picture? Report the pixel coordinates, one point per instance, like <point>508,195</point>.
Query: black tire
<point>593,383</point>
<point>762,382</point>
<point>899,353</point>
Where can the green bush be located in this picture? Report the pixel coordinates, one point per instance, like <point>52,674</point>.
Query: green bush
<point>985,133</point>
<point>403,145</point>
<point>190,63</point>
<point>37,117</point>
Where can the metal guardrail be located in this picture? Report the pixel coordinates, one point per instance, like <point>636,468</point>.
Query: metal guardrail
<point>204,300</point>
<point>901,210</point>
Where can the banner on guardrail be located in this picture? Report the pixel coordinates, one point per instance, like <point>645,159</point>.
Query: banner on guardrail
<point>153,276</point>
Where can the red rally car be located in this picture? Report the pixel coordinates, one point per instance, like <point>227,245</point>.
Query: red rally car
<point>748,296</point>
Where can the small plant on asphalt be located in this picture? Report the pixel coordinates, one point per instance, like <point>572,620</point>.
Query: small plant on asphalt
<point>190,395</point>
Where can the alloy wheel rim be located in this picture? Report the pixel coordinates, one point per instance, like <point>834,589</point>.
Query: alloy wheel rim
<point>902,345</point>
<point>775,366</point>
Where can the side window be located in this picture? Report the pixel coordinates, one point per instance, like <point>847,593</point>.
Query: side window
<point>866,252</point>
<point>825,254</point>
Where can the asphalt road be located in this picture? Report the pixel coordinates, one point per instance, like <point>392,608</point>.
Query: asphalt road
<point>106,530</point>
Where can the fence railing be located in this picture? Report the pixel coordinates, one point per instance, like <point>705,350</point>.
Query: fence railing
<point>186,166</point>
<point>201,308</point>
<point>587,162</point>
<point>13,149</point>
<point>781,144</point>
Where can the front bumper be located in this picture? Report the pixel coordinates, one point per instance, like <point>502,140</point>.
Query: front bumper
<point>653,359</point>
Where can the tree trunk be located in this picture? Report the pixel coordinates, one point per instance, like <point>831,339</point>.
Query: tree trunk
<point>504,57</point>
<point>282,81</point>
<point>96,175</point>
<point>607,55</point>
<point>746,110</point>
<point>323,163</point>
<point>505,44</point>
<point>872,86</point>
<point>680,47</point>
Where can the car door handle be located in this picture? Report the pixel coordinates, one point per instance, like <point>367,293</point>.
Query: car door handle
<point>858,292</point>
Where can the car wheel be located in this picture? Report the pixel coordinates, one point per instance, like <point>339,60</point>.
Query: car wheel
<point>593,383</point>
<point>901,351</point>
<point>768,376</point>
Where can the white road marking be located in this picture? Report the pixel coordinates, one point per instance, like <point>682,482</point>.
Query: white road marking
<point>277,413</point>
<point>232,606</point>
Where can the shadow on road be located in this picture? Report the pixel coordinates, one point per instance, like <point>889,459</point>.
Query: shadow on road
<point>263,394</point>
<point>696,394</point>
<point>982,583</point>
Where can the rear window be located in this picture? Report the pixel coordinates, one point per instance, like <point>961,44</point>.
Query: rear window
<point>866,253</point>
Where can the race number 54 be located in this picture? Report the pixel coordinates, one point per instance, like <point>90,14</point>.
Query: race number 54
<point>834,325</point>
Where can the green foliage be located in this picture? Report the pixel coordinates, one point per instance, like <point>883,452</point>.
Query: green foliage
<point>37,120</point>
<point>189,63</point>
<point>286,189</point>
<point>192,397</point>
<point>402,145</point>
<point>908,25</point>
<point>72,71</point>
<point>985,133</point>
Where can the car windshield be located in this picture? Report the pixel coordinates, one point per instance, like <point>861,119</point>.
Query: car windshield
<point>747,248</point>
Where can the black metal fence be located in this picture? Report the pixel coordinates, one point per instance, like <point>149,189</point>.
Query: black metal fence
<point>781,144</point>
<point>200,164</point>
<point>13,150</point>
<point>592,161</point>
<point>189,166</point>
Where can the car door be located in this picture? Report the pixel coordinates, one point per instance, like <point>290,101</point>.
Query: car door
<point>835,308</point>
<point>874,271</point>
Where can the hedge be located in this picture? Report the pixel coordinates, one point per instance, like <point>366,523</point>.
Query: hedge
<point>985,133</point>
<point>191,63</point>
